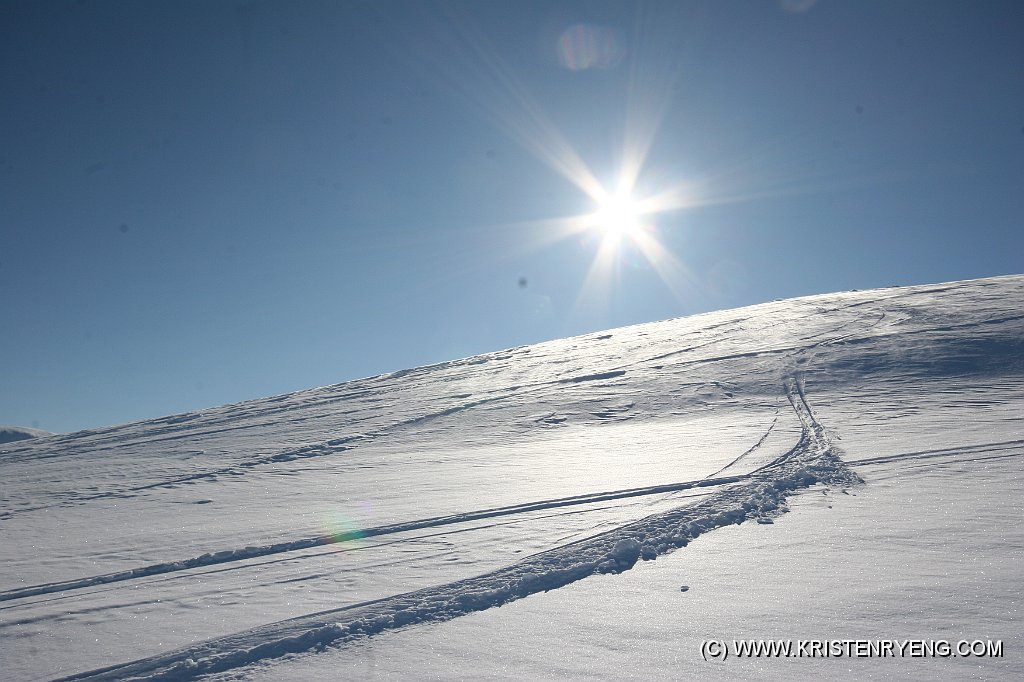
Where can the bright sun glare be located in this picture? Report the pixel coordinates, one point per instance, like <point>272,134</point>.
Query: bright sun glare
<point>618,216</point>
<point>625,215</point>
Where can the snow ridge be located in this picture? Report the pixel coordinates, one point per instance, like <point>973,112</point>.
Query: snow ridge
<point>760,496</point>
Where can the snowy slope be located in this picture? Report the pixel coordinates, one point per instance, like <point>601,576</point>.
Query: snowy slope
<point>368,525</point>
<point>9,434</point>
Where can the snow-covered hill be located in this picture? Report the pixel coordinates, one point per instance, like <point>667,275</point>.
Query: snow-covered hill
<point>371,527</point>
<point>9,434</point>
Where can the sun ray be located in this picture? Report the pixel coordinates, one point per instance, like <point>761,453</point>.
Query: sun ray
<point>655,67</point>
<point>679,279</point>
<point>624,213</point>
<point>594,292</point>
<point>488,84</point>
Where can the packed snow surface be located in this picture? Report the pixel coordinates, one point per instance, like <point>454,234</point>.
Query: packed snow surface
<point>372,527</point>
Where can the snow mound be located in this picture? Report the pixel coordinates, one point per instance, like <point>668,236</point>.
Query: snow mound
<point>10,434</point>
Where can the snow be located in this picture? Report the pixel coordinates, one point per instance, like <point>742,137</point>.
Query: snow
<point>620,496</point>
<point>854,566</point>
<point>9,434</point>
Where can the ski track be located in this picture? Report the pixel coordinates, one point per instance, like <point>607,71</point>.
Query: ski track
<point>231,555</point>
<point>251,552</point>
<point>752,448</point>
<point>1009,448</point>
<point>758,495</point>
<point>424,538</point>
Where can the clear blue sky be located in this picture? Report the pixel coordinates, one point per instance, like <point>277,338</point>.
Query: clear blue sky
<point>205,202</point>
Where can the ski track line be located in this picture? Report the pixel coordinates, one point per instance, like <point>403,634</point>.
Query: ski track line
<point>752,448</point>
<point>760,494</point>
<point>426,537</point>
<point>943,452</point>
<point>905,463</point>
<point>225,556</point>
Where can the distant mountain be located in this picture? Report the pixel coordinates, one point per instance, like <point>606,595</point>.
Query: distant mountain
<point>9,434</point>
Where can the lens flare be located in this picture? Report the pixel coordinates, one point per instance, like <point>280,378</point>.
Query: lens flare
<point>588,46</point>
<point>339,528</point>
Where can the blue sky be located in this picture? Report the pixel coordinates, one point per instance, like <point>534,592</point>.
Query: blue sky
<point>206,202</point>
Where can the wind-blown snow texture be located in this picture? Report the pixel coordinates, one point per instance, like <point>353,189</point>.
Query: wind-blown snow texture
<point>220,540</point>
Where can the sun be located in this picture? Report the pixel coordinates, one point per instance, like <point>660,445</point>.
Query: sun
<point>618,215</point>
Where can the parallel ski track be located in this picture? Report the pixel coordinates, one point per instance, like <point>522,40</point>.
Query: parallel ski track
<point>1007,449</point>
<point>243,554</point>
<point>251,552</point>
<point>811,460</point>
